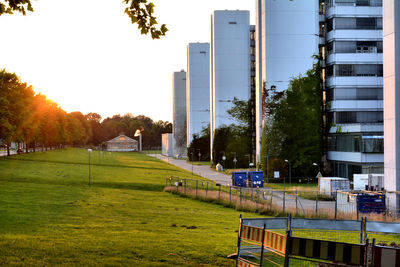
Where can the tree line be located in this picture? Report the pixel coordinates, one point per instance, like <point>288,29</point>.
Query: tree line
<point>33,120</point>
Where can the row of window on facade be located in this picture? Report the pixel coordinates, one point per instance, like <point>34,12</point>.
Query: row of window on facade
<point>345,70</point>
<point>354,94</point>
<point>331,3</point>
<point>346,47</point>
<point>351,117</point>
<point>353,24</point>
<point>356,143</point>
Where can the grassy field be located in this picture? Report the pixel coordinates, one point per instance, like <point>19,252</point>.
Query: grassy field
<point>50,216</point>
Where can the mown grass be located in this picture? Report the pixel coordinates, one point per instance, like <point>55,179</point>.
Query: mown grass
<point>50,216</point>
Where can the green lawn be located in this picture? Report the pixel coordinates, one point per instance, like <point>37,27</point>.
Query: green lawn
<point>49,215</point>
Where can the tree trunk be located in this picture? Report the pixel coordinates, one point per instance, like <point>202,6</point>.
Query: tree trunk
<point>8,149</point>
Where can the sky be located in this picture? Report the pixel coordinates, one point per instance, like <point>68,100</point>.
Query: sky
<point>86,55</point>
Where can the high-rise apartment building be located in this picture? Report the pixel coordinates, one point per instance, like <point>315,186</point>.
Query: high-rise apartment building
<point>287,39</point>
<point>197,89</point>
<point>179,113</point>
<point>230,66</point>
<point>354,86</point>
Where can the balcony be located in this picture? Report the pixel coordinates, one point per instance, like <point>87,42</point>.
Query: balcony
<point>355,81</point>
<point>354,34</point>
<point>360,11</point>
<point>358,105</point>
<point>357,157</point>
<point>349,58</point>
<point>357,128</point>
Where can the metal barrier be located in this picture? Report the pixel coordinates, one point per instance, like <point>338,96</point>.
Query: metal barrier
<point>293,242</point>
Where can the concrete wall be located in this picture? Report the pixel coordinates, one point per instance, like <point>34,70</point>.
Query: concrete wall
<point>179,112</point>
<point>197,89</point>
<point>167,143</point>
<point>391,69</point>
<point>286,39</point>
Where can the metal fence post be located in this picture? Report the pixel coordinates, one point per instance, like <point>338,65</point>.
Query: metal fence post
<point>270,204</point>
<point>230,194</point>
<point>316,204</point>
<point>239,241</point>
<point>219,193</point>
<point>262,246</point>
<point>207,190</point>
<point>296,201</point>
<point>336,205</point>
<point>197,184</point>
<point>170,181</point>
<point>284,200</point>
<point>240,197</point>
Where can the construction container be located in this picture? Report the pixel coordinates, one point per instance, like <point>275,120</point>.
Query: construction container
<point>255,179</point>
<point>239,179</point>
<point>329,185</point>
<point>361,201</point>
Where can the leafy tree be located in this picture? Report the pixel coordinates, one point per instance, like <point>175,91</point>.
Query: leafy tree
<point>201,142</point>
<point>140,12</point>
<point>293,128</point>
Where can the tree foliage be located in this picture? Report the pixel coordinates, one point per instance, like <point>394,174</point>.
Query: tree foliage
<point>293,127</point>
<point>234,141</point>
<point>140,12</point>
<point>32,119</point>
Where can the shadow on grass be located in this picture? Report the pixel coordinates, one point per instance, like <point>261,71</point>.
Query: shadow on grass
<point>92,164</point>
<point>84,184</point>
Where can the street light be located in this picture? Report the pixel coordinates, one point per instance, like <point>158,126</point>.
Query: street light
<point>234,160</point>
<point>90,152</point>
<point>290,171</point>
<point>315,164</point>
<point>223,157</point>
<point>199,154</point>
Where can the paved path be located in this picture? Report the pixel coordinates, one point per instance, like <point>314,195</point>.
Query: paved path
<point>224,179</point>
<point>201,170</point>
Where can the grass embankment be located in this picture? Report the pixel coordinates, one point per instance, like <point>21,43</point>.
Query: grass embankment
<point>50,216</point>
<point>306,191</point>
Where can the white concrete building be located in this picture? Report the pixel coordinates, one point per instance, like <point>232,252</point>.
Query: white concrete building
<point>197,89</point>
<point>287,38</point>
<point>230,64</point>
<point>179,113</point>
<point>354,86</point>
<point>391,68</point>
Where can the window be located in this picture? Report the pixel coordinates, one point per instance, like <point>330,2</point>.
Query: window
<point>345,23</point>
<point>344,70</point>
<point>345,47</point>
<point>359,117</point>
<point>373,144</point>
<point>366,23</point>
<point>329,25</point>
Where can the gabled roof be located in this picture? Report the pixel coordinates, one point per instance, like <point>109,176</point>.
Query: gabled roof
<point>122,139</point>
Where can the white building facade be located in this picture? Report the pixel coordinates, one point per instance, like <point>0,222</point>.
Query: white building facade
<point>197,89</point>
<point>287,38</point>
<point>354,86</point>
<point>230,64</point>
<point>179,114</point>
<point>391,68</point>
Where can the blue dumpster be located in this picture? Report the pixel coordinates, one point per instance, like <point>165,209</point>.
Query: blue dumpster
<point>368,203</point>
<point>239,179</point>
<point>255,179</point>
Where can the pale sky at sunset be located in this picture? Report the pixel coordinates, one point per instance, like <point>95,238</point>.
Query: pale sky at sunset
<point>87,56</point>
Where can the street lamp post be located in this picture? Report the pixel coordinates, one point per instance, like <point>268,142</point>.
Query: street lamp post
<point>234,160</point>
<point>223,157</point>
<point>290,171</point>
<point>267,157</point>
<point>248,155</point>
<point>199,154</point>
<point>319,170</point>
<point>90,152</point>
